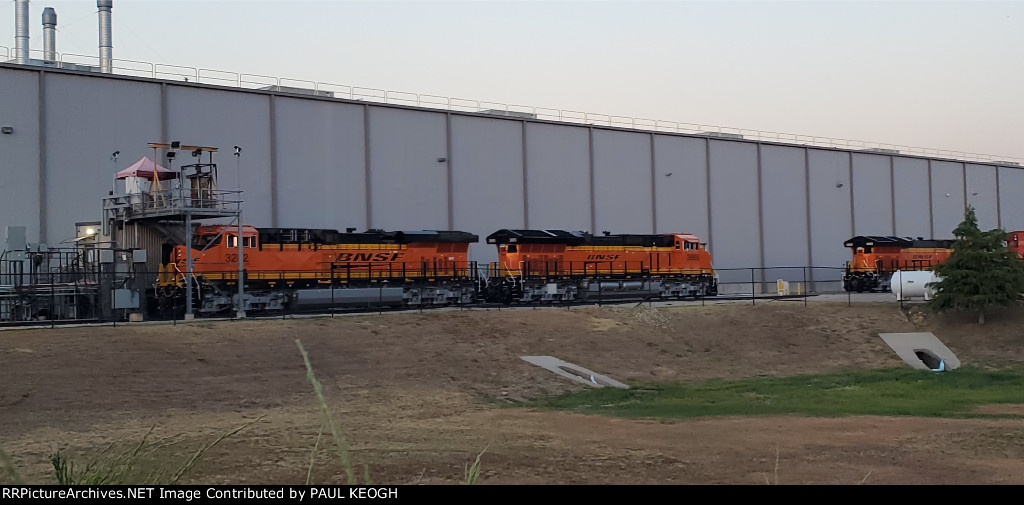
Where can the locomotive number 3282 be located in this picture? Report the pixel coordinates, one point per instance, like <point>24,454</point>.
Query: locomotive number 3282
<point>233,257</point>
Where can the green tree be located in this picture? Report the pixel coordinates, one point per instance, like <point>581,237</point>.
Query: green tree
<point>980,273</point>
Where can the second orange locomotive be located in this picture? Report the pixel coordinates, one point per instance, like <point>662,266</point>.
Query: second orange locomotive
<point>558,265</point>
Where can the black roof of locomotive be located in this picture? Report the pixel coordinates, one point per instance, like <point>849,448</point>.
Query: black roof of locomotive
<point>890,241</point>
<point>877,240</point>
<point>576,238</point>
<point>374,236</point>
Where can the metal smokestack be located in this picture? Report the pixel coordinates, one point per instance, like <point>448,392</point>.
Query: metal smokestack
<point>49,34</point>
<point>106,51</point>
<point>21,31</point>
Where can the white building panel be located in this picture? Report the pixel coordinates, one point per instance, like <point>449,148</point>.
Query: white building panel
<point>947,197</point>
<point>321,160</point>
<point>622,182</point>
<point>408,170</point>
<point>1011,198</point>
<point>735,229</point>
<point>830,215</point>
<point>681,185</point>
<point>872,194</point>
<point>19,154</point>
<point>912,201</point>
<point>784,210</point>
<point>557,177</point>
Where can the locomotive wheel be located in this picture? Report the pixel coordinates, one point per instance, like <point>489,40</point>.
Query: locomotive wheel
<point>855,285</point>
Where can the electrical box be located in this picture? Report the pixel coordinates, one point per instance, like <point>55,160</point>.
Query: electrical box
<point>126,299</point>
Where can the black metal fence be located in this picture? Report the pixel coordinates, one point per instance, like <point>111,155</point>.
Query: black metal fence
<point>52,291</point>
<point>59,286</point>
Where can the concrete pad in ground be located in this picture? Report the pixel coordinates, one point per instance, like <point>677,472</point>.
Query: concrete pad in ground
<point>908,345</point>
<point>574,372</point>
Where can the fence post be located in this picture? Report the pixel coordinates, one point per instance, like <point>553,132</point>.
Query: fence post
<point>901,288</point>
<point>753,299</point>
<point>51,299</point>
<point>803,285</point>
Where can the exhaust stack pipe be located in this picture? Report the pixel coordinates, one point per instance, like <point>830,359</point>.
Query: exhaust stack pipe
<point>106,49</point>
<point>21,31</point>
<point>49,34</point>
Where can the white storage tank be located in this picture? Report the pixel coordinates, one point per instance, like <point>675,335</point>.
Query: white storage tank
<point>907,284</point>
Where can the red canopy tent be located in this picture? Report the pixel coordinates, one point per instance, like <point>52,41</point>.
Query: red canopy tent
<point>146,168</point>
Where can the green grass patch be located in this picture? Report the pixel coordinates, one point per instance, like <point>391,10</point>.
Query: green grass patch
<point>885,392</point>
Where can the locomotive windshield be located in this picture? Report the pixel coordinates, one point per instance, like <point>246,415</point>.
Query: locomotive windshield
<point>203,242</point>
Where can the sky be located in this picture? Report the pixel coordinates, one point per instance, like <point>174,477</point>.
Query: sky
<point>941,75</point>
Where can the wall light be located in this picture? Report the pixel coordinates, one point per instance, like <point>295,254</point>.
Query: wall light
<point>6,130</point>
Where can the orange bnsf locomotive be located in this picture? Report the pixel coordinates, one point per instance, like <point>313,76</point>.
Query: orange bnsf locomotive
<point>556,265</point>
<point>876,258</point>
<point>309,268</point>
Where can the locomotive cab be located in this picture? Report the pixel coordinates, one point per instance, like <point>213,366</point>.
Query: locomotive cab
<point>215,239</point>
<point>687,244</point>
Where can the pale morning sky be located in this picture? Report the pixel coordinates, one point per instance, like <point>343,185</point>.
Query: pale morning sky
<point>945,75</point>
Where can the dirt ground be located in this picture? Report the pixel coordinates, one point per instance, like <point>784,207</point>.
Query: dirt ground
<point>418,396</point>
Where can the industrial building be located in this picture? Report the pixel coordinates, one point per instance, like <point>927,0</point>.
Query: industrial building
<point>321,160</point>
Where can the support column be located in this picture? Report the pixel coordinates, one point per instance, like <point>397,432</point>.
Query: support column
<point>448,168</point>
<point>526,187</point>
<point>43,231</point>
<point>273,162</point>
<point>188,267</point>
<point>654,192</point>
<point>366,166</point>
<point>931,204</point>
<point>807,207</point>
<point>707,182</point>
<point>593,205</point>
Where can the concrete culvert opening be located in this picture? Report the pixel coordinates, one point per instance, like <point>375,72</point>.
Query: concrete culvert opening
<point>574,372</point>
<point>929,358</point>
<point>596,379</point>
<point>923,351</point>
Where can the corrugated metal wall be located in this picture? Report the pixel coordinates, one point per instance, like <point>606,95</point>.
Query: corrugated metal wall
<point>315,162</point>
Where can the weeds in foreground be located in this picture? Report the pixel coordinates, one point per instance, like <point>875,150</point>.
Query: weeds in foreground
<point>7,465</point>
<point>767,482</point>
<point>119,467</point>
<point>472,472</point>
<point>327,421</point>
<point>776,468</point>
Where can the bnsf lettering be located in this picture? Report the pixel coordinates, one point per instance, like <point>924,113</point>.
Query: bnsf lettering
<point>603,256</point>
<point>922,256</point>
<point>383,256</point>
